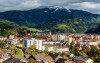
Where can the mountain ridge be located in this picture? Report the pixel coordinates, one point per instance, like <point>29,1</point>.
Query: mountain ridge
<point>46,18</point>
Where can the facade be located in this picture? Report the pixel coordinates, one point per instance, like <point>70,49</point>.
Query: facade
<point>59,37</point>
<point>4,54</point>
<point>55,48</point>
<point>51,42</point>
<point>3,38</point>
<point>11,37</point>
<point>70,39</point>
<point>79,59</point>
<point>88,42</point>
<point>63,49</point>
<point>28,42</point>
<point>14,41</point>
<point>39,44</point>
<point>33,42</point>
<point>41,58</point>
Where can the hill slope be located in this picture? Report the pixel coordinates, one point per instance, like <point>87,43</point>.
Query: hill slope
<point>49,19</point>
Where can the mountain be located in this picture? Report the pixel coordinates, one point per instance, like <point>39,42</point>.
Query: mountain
<point>48,18</point>
<point>10,28</point>
<point>94,30</point>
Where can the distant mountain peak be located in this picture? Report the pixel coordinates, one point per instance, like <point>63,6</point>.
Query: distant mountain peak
<point>49,17</point>
<point>56,8</point>
<point>51,7</point>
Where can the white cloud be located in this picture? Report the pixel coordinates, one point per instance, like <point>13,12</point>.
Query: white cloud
<point>6,5</point>
<point>88,5</point>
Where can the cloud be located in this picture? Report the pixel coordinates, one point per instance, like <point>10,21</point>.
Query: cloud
<point>6,5</point>
<point>88,5</point>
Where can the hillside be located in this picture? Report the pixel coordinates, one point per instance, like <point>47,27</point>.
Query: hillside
<point>94,30</point>
<point>10,28</point>
<point>54,19</point>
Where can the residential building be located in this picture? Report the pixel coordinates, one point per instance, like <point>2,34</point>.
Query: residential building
<point>3,38</point>
<point>70,39</point>
<point>11,37</point>
<point>41,58</point>
<point>39,44</point>
<point>89,42</point>
<point>12,41</point>
<point>79,59</point>
<point>55,48</point>
<point>4,54</point>
<point>28,42</point>
<point>33,42</point>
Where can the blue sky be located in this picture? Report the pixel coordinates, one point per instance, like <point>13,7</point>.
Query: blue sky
<point>87,5</point>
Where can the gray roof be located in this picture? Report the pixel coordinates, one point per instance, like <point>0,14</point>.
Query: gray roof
<point>13,60</point>
<point>4,51</point>
<point>69,61</point>
<point>81,58</point>
<point>43,57</point>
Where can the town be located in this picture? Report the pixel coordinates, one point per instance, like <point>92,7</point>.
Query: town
<point>49,31</point>
<point>50,48</point>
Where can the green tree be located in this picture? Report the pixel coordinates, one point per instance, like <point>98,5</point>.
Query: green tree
<point>94,53</point>
<point>18,52</point>
<point>2,45</point>
<point>31,60</point>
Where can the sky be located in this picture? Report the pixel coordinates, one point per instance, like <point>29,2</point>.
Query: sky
<point>87,5</point>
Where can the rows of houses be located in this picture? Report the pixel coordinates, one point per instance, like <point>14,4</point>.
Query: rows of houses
<point>5,57</point>
<point>45,45</point>
<point>51,42</point>
<point>81,38</point>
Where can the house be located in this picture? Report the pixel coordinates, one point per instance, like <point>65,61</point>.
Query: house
<point>39,44</point>
<point>62,49</point>
<point>14,60</point>
<point>33,42</point>
<point>28,42</point>
<point>68,61</point>
<point>57,58</point>
<point>89,42</point>
<point>3,38</point>
<point>51,42</point>
<point>4,54</point>
<point>59,37</point>
<point>51,58</point>
<point>12,41</point>
<point>55,48</point>
<point>11,37</point>
<point>22,59</point>
<point>79,59</point>
<point>41,58</point>
<point>70,39</point>
<point>1,60</point>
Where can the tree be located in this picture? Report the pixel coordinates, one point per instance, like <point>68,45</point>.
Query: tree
<point>31,60</point>
<point>18,51</point>
<point>94,53</point>
<point>2,45</point>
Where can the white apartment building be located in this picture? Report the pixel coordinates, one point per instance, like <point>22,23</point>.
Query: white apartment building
<point>14,41</point>
<point>63,49</point>
<point>33,41</point>
<point>39,44</point>
<point>55,48</point>
<point>51,42</point>
<point>28,42</point>
<point>59,37</point>
<point>88,42</point>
